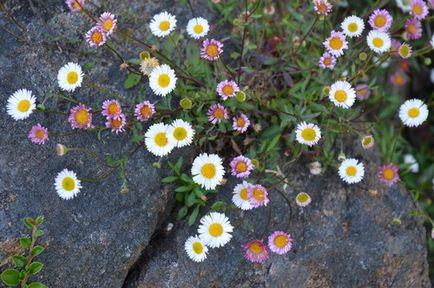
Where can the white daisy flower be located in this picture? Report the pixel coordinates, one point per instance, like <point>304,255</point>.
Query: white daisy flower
<point>197,27</point>
<point>307,133</point>
<point>353,26</point>
<point>404,5</point>
<point>379,42</point>
<point>214,230</point>
<point>182,132</point>
<point>158,141</point>
<point>412,162</point>
<point>413,112</point>
<point>162,24</point>
<point>70,77</point>
<point>162,80</point>
<point>351,171</point>
<point>432,42</point>
<point>207,170</point>
<point>21,104</point>
<point>342,94</point>
<point>241,196</point>
<point>67,185</point>
<point>195,249</point>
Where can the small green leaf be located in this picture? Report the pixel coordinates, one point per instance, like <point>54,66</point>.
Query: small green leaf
<point>182,189</point>
<point>169,179</point>
<point>39,220</point>
<point>182,213</point>
<point>41,107</point>
<point>19,261</point>
<point>37,250</point>
<point>219,206</point>
<point>132,80</point>
<point>39,232</point>
<point>198,192</point>
<point>36,285</point>
<point>28,222</point>
<point>10,277</point>
<point>25,242</point>
<point>35,267</point>
<point>178,164</point>
<point>193,216</point>
<point>191,199</point>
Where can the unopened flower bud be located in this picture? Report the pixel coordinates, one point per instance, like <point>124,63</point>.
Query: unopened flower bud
<point>61,150</point>
<point>368,142</point>
<point>144,55</point>
<point>363,56</point>
<point>185,103</point>
<point>256,163</point>
<point>341,156</point>
<point>241,96</point>
<point>124,66</point>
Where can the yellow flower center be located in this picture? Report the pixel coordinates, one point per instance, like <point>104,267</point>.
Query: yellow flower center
<point>404,50</point>
<point>161,139</point>
<point>413,112</point>
<point>198,28</point>
<point>336,43</point>
<point>72,77</point>
<point>281,241</point>
<point>351,171</point>
<point>212,50</point>
<point>308,134</point>
<point>417,9</point>
<point>398,80</point>
<point>341,96</point>
<point>82,117</point>
<point>146,111</point>
<point>215,229</point>
<point>75,4</point>
<point>24,105</point>
<point>164,25</point>
<point>241,122</point>
<point>241,167</point>
<point>208,170</point>
<point>380,21</point>
<point>113,109</point>
<point>244,194</point>
<point>388,174</point>
<point>228,90</point>
<point>258,194</point>
<point>39,134</point>
<point>180,133</point>
<point>163,80</point>
<point>378,42</point>
<point>302,197</point>
<point>197,247</point>
<point>256,248</point>
<point>322,8</point>
<point>219,113</point>
<point>352,27</point>
<point>68,184</point>
<point>327,61</point>
<point>412,28</point>
<point>116,123</point>
<point>107,25</point>
<point>367,141</point>
<point>97,37</point>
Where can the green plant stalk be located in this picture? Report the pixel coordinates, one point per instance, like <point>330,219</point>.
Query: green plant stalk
<point>30,257</point>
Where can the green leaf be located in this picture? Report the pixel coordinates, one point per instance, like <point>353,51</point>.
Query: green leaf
<point>198,192</point>
<point>11,277</point>
<point>25,242</point>
<point>37,250</point>
<point>35,267</point>
<point>169,179</point>
<point>273,143</point>
<point>19,261</point>
<point>36,285</point>
<point>191,199</point>
<point>28,222</point>
<point>182,213</point>
<point>39,220</point>
<point>132,80</point>
<point>182,189</point>
<point>178,164</point>
<point>193,216</point>
<point>219,206</point>
<point>39,232</point>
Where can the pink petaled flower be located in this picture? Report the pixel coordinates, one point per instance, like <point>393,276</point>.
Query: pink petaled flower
<point>336,43</point>
<point>395,47</point>
<point>227,89</point>
<point>241,167</point>
<point>75,5</point>
<point>418,9</point>
<point>413,29</point>
<point>144,111</point>
<point>258,196</point>
<point>211,49</point>
<point>322,7</point>
<point>327,61</point>
<point>96,37</point>
<point>80,117</point>
<point>241,123</point>
<point>362,92</point>
<point>255,251</point>
<point>111,108</point>
<point>388,174</point>
<point>280,242</point>
<point>404,65</point>
<point>38,134</point>
<point>380,20</point>
<point>116,123</point>
<point>217,113</point>
<point>107,22</point>
<point>398,78</point>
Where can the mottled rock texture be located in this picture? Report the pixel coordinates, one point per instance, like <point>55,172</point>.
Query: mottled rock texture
<point>103,238</point>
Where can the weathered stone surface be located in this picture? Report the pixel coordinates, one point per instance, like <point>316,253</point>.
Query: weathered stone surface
<point>345,238</point>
